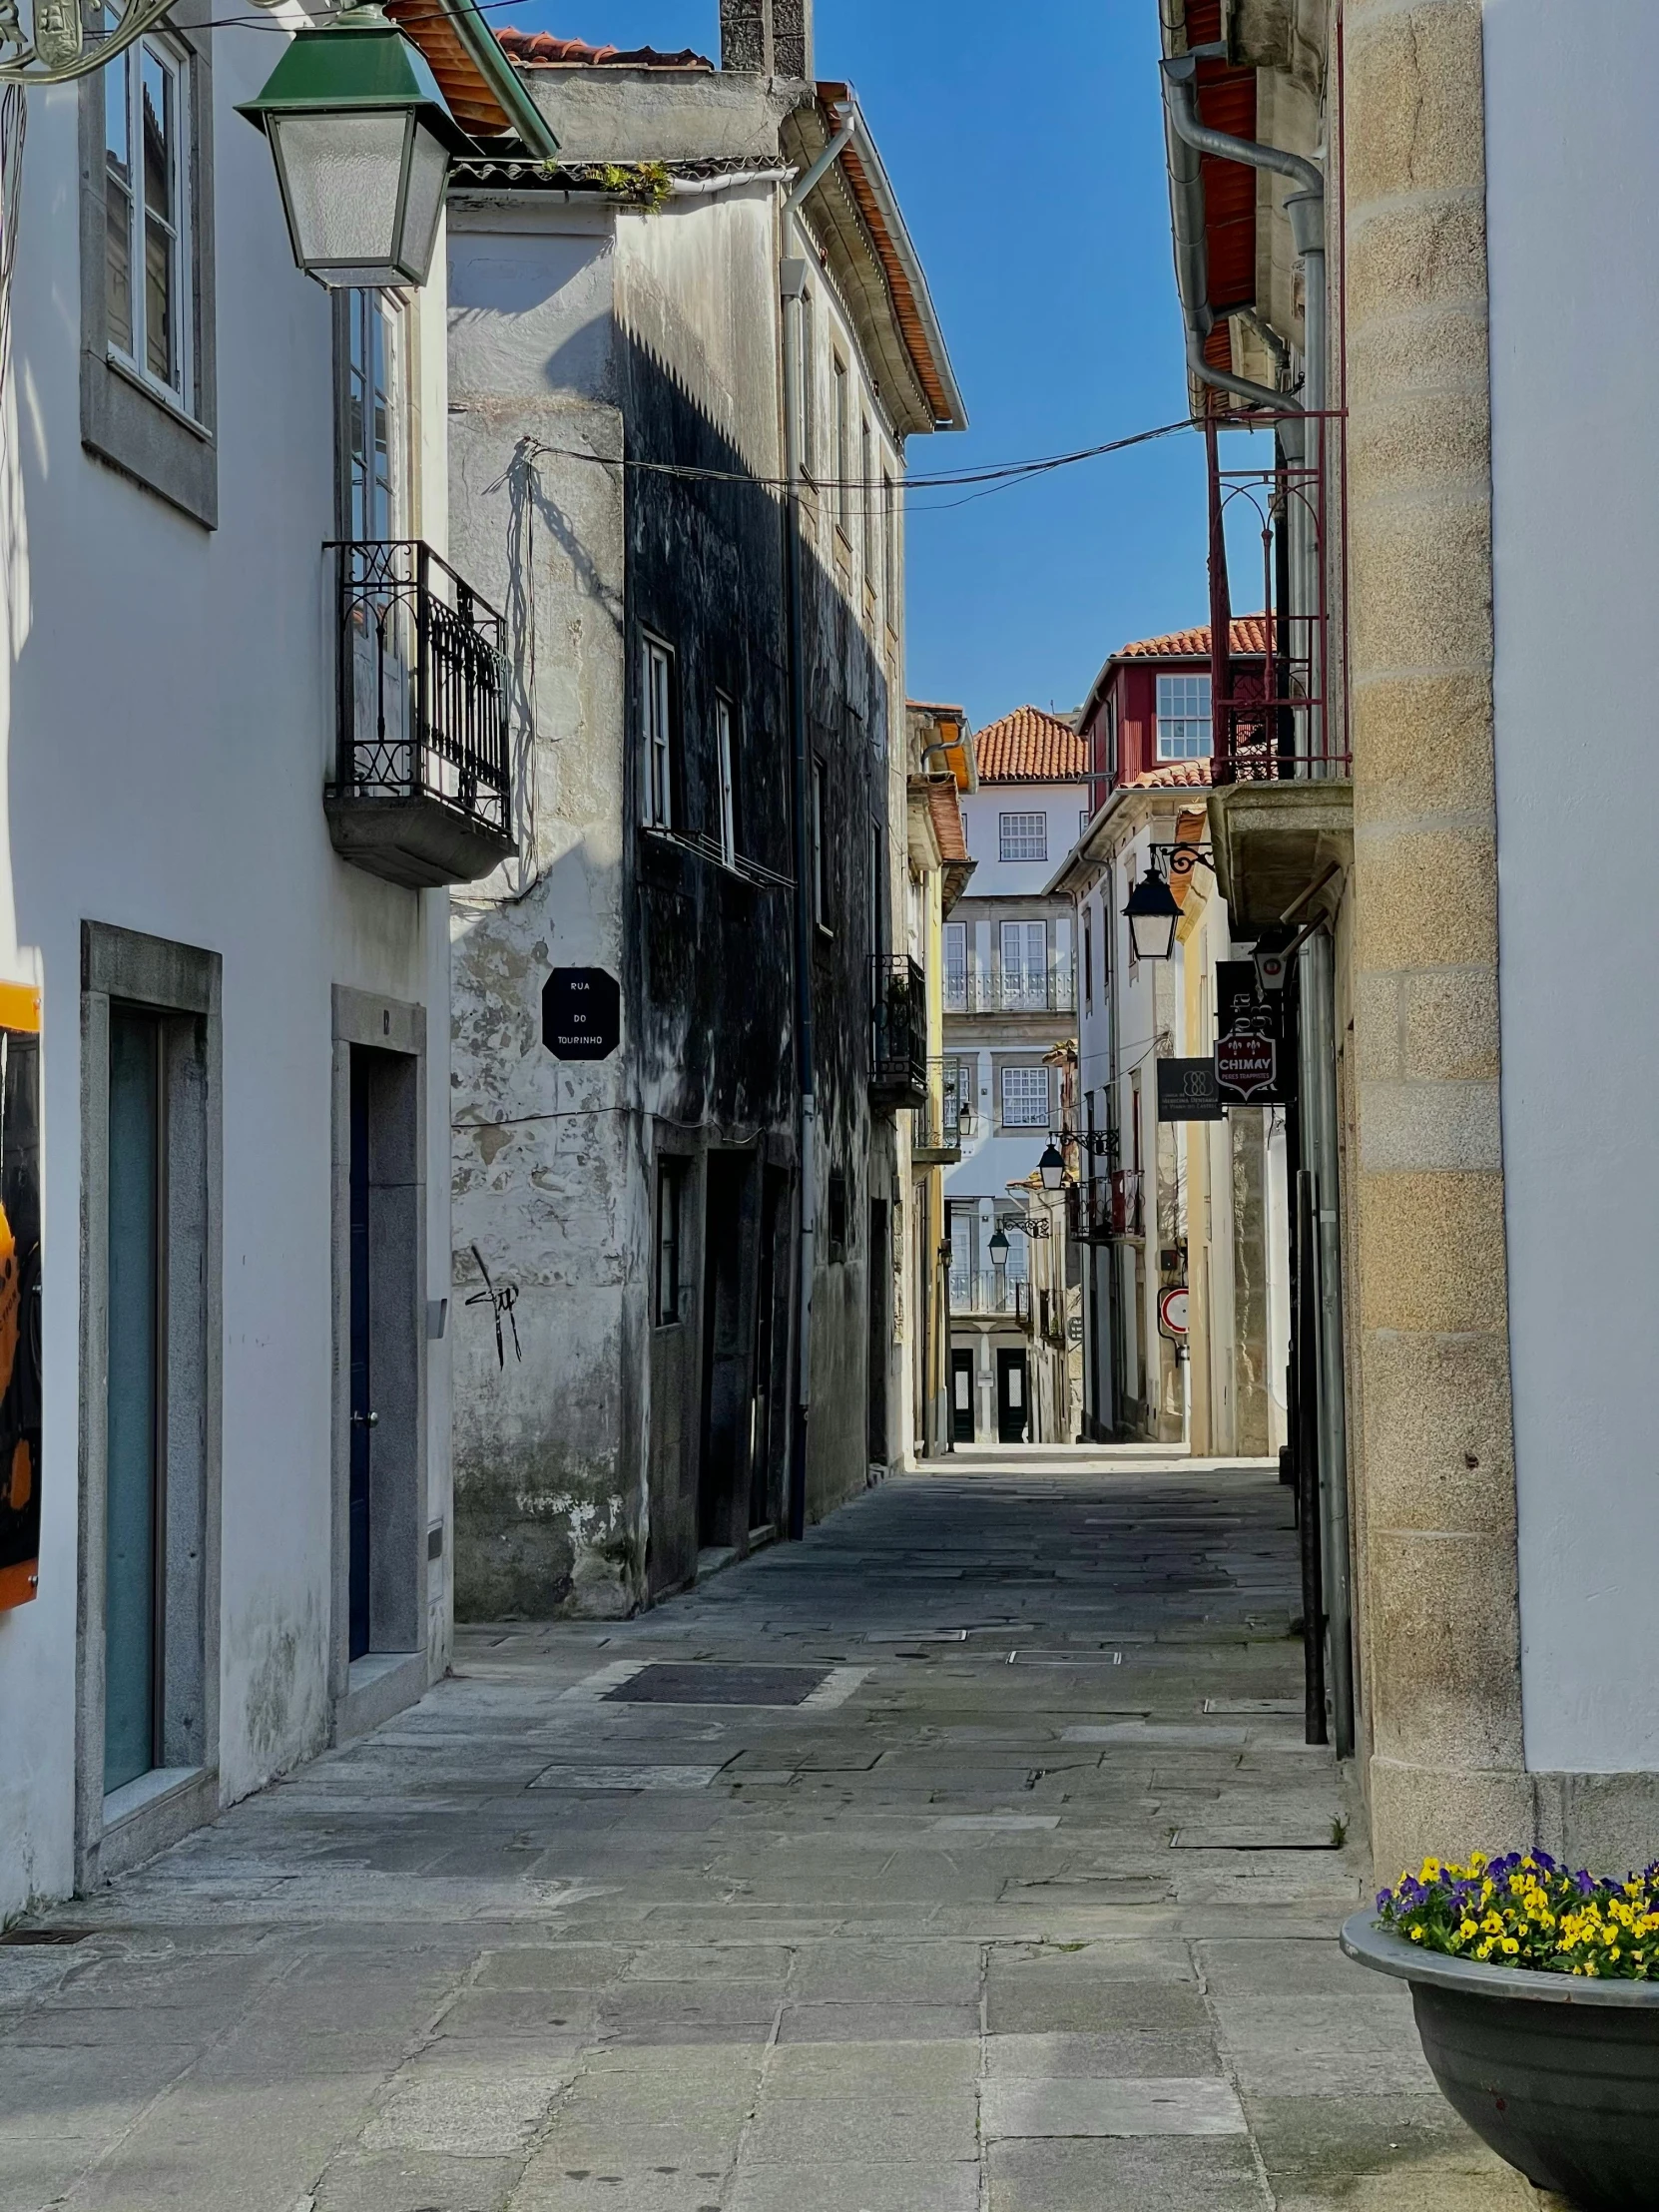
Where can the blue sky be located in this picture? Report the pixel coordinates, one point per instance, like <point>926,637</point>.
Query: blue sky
<point>1026,149</point>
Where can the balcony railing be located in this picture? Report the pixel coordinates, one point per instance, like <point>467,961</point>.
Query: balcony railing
<point>937,1133</point>
<point>897,1030</point>
<point>1011,994</point>
<point>1106,1207</point>
<point>988,1291</point>
<point>422,786</point>
<point>1274,710</point>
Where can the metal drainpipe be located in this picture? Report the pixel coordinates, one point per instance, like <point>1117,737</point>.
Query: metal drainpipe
<point>1318,1131</point>
<point>791,282</point>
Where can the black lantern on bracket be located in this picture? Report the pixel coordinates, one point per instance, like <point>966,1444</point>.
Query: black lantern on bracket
<point>1052,1168</point>
<point>1152,914</point>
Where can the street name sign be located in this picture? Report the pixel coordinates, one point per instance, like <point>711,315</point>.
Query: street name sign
<point>581,1013</point>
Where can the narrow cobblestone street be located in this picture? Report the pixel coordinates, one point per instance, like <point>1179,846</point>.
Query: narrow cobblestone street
<point>964,1857</point>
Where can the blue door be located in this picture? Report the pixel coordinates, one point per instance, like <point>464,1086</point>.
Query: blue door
<point>362,1417</point>
<point>132,1534</point>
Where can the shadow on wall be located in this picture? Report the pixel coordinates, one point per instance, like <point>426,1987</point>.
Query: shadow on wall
<point>563,1478</point>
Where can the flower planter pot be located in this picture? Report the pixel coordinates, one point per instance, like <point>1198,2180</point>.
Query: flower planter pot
<point>1559,2075</point>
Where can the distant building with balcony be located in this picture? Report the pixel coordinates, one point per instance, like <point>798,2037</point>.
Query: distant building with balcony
<point>1009,998</point>
<point>1164,1205</point>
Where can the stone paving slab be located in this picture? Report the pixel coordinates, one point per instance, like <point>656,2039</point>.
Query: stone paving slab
<point>1033,1909</point>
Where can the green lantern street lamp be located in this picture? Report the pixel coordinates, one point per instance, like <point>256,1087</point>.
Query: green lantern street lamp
<point>361,139</point>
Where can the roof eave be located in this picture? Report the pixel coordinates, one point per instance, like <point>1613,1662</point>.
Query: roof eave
<point>522,118</point>
<point>863,149</point>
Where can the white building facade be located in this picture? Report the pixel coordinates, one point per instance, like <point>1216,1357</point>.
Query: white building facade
<point>225,1534</point>
<point>1009,960</point>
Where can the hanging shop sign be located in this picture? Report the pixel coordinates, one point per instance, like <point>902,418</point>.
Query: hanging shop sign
<point>1187,1091</point>
<point>1249,1038</point>
<point>19,1293</point>
<point>581,1013</point>
<point>1172,1310</point>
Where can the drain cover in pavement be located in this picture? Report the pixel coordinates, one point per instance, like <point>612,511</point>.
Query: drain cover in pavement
<point>662,1683</point>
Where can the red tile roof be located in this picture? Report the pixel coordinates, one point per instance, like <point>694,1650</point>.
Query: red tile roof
<point>1173,776</point>
<point>947,810</point>
<point>541,50</point>
<point>1249,634</point>
<point>1030,747</point>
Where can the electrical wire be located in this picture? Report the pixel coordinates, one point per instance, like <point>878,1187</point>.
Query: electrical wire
<point>992,474</point>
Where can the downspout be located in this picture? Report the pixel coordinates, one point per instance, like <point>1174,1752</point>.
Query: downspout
<point>792,282</point>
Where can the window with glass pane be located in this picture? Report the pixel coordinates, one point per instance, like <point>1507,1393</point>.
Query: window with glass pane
<point>1017,1267</point>
<point>867,499</point>
<point>1025,1098</point>
<point>372,366</point>
<point>1025,965</point>
<point>963,1232</point>
<point>1022,836</point>
<point>146,230</point>
<point>955,967</point>
<point>1183,717</point>
<point>808,387</point>
<point>844,448</point>
<point>657,685</point>
<point>958,1095</point>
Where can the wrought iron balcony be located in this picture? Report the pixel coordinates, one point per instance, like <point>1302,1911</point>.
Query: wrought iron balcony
<point>990,1292</point>
<point>1106,1207</point>
<point>898,1032</point>
<point>422,786</point>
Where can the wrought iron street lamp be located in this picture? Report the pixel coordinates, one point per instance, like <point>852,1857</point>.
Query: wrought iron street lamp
<point>1151,910</point>
<point>998,1248</point>
<point>1052,1168</point>
<point>1152,916</point>
<point>362,137</point>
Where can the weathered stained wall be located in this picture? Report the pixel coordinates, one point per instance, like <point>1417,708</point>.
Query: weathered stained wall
<point>541,1148</point>
<point>581,331</point>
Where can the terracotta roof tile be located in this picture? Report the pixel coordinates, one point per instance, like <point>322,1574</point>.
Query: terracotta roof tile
<point>1249,634</point>
<point>1173,776</point>
<point>1030,747</point>
<point>541,50</point>
<point>947,810</point>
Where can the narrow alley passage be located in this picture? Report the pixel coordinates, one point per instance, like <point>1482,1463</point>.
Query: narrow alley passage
<point>964,1857</point>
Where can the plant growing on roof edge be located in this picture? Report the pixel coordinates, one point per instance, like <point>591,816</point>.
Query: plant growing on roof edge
<point>1522,1910</point>
<point>643,184</point>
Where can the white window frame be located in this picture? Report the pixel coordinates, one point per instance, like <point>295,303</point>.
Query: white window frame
<point>889,548</point>
<point>1017,1080</point>
<point>1184,725</point>
<point>127,72</point>
<point>1017,842</point>
<point>724,719</point>
<point>842,381</point>
<point>1024,984</point>
<point>866,497</point>
<point>956,979</point>
<point>808,387</point>
<point>657,729</point>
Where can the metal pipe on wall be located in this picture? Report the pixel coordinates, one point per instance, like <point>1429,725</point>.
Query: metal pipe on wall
<point>1317,1085</point>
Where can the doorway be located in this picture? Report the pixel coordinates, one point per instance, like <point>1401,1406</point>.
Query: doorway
<point>725,1354</point>
<point>363,1420</point>
<point>961,1396</point>
<point>763,1511</point>
<point>1012,1410</point>
<point>134,1514</point>
<point>382,1320</point>
<point>881,1291</point>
